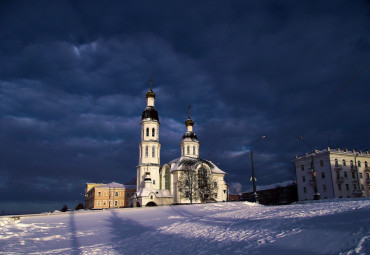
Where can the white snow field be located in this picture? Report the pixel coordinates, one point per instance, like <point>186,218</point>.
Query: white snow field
<point>324,227</point>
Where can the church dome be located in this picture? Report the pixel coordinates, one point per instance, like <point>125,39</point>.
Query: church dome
<point>150,93</point>
<point>190,135</point>
<point>189,122</point>
<point>150,113</point>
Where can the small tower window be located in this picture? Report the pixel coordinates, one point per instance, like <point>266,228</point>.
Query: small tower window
<point>153,132</point>
<point>146,151</point>
<point>153,151</point>
<point>147,131</point>
<point>188,149</point>
<point>194,150</point>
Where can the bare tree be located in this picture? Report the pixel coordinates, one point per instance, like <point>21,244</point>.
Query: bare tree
<point>187,184</point>
<point>207,185</point>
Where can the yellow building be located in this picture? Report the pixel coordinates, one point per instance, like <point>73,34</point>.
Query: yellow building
<point>111,195</point>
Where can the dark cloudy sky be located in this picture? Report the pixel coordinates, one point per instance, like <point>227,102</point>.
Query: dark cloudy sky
<point>73,78</point>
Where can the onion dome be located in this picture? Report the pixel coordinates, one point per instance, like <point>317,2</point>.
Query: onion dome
<point>150,93</point>
<point>189,122</point>
<point>150,113</point>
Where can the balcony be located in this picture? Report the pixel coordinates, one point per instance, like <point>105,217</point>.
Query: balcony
<point>340,180</point>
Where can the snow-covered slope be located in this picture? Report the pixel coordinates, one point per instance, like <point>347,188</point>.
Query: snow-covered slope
<point>325,227</point>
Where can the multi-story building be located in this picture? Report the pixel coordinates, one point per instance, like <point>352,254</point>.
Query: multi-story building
<point>111,195</point>
<point>336,174</point>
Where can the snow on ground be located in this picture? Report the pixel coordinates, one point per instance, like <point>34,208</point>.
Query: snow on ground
<point>325,227</point>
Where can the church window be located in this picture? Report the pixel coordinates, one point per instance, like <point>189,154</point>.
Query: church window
<point>147,131</point>
<point>194,150</point>
<point>153,132</point>
<point>188,149</point>
<point>202,177</point>
<point>167,179</point>
<point>215,195</point>
<point>146,151</point>
<point>215,184</point>
<point>153,151</point>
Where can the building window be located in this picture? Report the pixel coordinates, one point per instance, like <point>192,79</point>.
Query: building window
<point>105,202</point>
<point>304,189</point>
<point>303,178</point>
<point>336,163</point>
<point>127,194</point>
<point>366,164</point>
<point>367,175</point>
<point>153,151</point>
<point>362,187</point>
<point>359,163</point>
<point>146,151</point>
<point>354,186</point>
<point>116,203</point>
<point>98,203</point>
<point>302,167</point>
<point>344,162</point>
<point>153,181</point>
<point>353,175</point>
<point>321,163</point>
<point>116,194</point>
<point>187,193</point>
<point>339,187</point>
<point>324,187</point>
<point>345,174</point>
<point>347,187</point>
<point>99,194</point>
<point>167,179</point>
<point>215,184</point>
<point>153,132</point>
<point>188,149</point>
<point>351,162</point>
<point>323,175</point>
<point>147,131</point>
<point>360,174</point>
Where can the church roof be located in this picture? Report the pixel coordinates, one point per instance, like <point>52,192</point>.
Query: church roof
<point>180,163</point>
<point>150,113</point>
<point>191,135</point>
<point>145,192</point>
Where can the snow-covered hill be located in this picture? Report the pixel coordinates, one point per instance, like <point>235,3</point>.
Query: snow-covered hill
<point>325,227</point>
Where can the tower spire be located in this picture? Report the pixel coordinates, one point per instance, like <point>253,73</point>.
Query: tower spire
<point>151,80</point>
<point>189,107</point>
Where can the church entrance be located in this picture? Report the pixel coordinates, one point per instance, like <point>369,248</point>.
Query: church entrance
<point>151,204</point>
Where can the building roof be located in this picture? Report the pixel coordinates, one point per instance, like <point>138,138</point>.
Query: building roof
<point>145,192</point>
<point>334,151</point>
<point>150,113</point>
<point>181,163</point>
<point>190,135</point>
<point>116,186</point>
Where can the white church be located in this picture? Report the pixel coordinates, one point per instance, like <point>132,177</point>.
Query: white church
<point>160,185</point>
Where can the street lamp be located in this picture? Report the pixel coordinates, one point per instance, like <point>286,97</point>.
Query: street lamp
<point>316,196</point>
<point>254,195</point>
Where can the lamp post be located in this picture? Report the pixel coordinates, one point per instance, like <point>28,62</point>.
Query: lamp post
<point>254,195</point>
<point>316,196</point>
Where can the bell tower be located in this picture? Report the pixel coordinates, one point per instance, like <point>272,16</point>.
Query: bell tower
<point>189,143</point>
<point>149,146</point>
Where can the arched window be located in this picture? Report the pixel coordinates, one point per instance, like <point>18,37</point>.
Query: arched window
<point>153,132</point>
<point>153,151</point>
<point>194,150</point>
<point>188,149</point>
<point>167,179</point>
<point>336,162</point>
<point>344,162</point>
<point>147,131</point>
<point>146,151</point>
<point>321,163</point>
<point>366,164</point>
<point>202,177</point>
